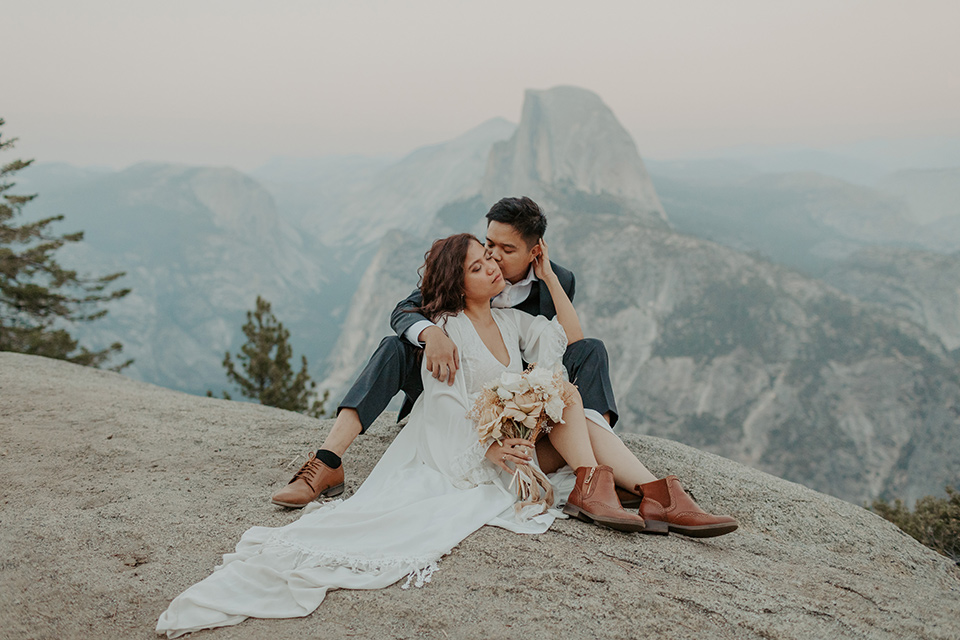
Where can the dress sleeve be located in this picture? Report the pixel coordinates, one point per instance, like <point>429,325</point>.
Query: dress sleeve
<point>541,341</point>
<point>451,442</point>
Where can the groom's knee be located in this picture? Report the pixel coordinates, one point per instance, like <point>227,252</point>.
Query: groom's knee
<point>589,367</point>
<point>398,365</point>
<point>588,351</point>
<point>391,349</point>
<point>391,368</point>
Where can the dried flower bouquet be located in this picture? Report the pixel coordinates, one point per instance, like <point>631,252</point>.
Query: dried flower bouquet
<point>523,405</point>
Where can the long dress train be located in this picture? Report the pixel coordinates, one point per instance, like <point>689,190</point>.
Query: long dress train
<point>431,489</point>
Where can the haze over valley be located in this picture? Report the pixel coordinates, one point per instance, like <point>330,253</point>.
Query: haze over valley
<point>794,311</point>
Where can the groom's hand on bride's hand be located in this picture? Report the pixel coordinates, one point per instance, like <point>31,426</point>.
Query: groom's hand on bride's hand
<point>515,450</point>
<point>440,353</point>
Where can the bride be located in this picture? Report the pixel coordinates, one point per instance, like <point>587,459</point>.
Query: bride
<point>436,484</point>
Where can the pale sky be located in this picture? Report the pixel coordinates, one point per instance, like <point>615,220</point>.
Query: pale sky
<point>237,82</point>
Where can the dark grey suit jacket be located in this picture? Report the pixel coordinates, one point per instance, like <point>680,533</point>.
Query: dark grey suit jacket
<point>538,303</point>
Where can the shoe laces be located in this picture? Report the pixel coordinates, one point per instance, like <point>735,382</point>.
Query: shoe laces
<point>309,469</point>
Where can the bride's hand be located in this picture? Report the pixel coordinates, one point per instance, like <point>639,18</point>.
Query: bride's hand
<point>541,264</point>
<point>515,450</point>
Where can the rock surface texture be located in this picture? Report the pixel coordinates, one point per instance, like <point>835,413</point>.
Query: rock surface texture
<point>116,495</point>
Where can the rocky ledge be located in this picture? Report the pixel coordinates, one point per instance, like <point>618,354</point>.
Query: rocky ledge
<point>117,495</point>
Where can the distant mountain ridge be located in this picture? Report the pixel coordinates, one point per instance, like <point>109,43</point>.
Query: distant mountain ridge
<point>198,244</point>
<point>808,221</point>
<point>921,286</point>
<point>849,387</point>
<point>711,346</point>
<point>933,195</point>
<point>359,207</point>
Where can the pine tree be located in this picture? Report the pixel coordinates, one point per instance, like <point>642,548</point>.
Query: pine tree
<point>39,298</point>
<point>264,371</point>
<point>934,522</point>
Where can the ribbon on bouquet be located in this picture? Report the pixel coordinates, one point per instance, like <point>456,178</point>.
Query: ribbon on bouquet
<point>533,487</point>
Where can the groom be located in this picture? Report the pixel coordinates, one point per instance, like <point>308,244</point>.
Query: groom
<point>514,228</point>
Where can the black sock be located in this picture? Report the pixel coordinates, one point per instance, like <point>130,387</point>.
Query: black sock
<point>328,458</point>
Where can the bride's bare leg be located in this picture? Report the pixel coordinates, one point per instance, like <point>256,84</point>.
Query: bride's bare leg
<point>547,456</point>
<point>608,449</point>
<point>594,496</point>
<point>581,443</point>
<point>666,506</point>
<point>628,471</point>
<point>571,439</point>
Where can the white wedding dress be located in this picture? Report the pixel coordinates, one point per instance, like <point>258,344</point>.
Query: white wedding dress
<point>432,488</point>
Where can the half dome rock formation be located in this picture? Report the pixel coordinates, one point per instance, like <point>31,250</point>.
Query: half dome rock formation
<point>568,139</point>
<point>117,495</point>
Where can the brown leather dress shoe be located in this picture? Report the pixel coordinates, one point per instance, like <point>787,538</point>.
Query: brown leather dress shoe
<point>594,499</point>
<point>314,479</point>
<point>666,507</point>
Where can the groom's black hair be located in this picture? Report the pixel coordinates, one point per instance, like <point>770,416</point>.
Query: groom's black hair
<point>523,214</point>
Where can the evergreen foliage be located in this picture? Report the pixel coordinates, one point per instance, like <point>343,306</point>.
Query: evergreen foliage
<point>39,297</point>
<point>262,369</point>
<point>935,522</point>
<point>727,315</point>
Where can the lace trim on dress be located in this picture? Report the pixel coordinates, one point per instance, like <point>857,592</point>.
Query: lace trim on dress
<point>422,576</point>
<point>420,568</point>
<point>471,468</point>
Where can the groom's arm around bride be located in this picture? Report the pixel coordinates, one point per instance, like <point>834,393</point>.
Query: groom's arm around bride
<point>514,229</point>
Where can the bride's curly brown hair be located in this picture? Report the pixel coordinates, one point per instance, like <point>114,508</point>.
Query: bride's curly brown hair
<point>442,276</point>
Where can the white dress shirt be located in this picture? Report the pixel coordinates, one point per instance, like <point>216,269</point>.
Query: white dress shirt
<point>514,294</point>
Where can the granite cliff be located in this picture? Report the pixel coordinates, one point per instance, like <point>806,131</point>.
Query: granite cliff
<point>151,486</point>
<point>758,363</point>
<point>569,142</point>
<point>709,346</point>
<point>198,244</point>
<point>921,286</point>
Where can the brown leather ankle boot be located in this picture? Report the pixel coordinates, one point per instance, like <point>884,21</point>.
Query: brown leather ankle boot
<point>594,499</point>
<point>667,507</point>
<point>629,499</point>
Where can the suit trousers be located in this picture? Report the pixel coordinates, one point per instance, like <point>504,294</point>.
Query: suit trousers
<point>395,367</point>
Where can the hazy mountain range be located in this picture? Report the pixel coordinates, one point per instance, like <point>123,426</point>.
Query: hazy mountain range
<point>798,322</point>
<point>200,243</point>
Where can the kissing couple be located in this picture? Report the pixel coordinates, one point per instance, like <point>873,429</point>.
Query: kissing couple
<point>482,309</point>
